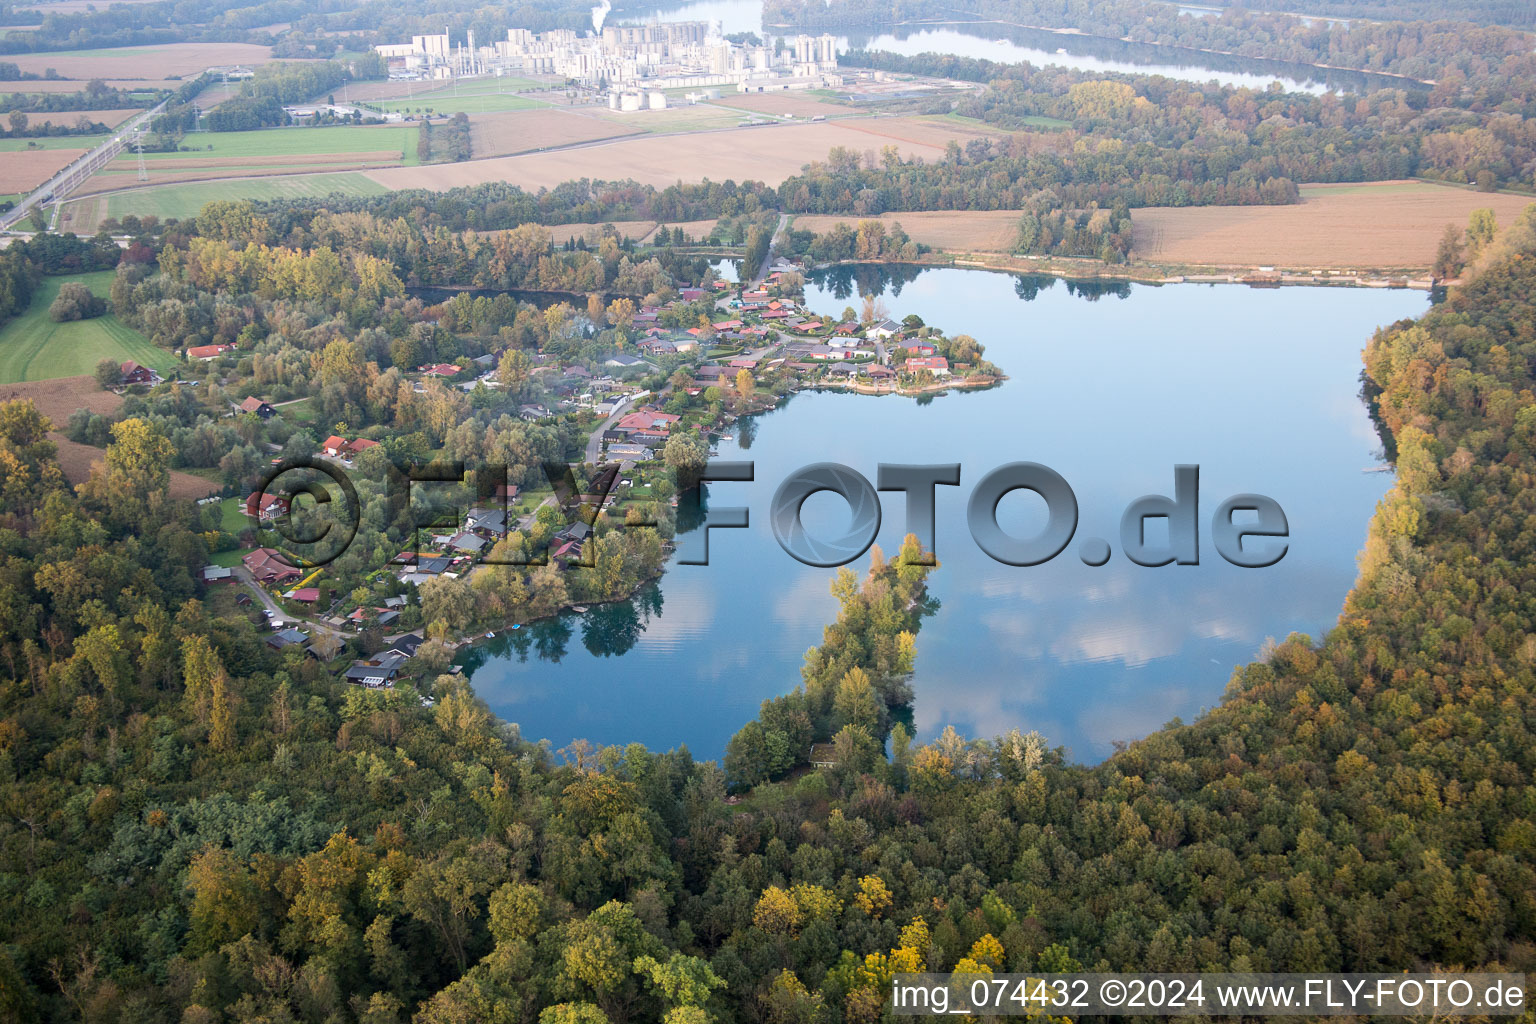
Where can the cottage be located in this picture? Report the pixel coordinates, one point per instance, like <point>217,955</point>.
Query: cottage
<point>264,507</point>
<point>468,543</point>
<point>823,755</point>
<point>884,329</point>
<point>486,520</point>
<point>334,446</point>
<point>289,637</point>
<point>690,294</point>
<point>624,361</point>
<point>305,595</point>
<point>218,574</point>
<point>937,365</point>
<point>846,329</point>
<point>267,566</point>
<point>441,370</point>
<point>257,407</point>
<point>378,671</point>
<point>206,352</point>
<point>133,373</point>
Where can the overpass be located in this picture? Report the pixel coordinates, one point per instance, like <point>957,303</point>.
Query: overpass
<point>82,167</point>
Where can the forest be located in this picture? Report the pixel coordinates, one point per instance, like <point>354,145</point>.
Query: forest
<point>199,828</point>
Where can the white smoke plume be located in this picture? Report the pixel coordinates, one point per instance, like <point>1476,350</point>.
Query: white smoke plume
<point>598,14</point>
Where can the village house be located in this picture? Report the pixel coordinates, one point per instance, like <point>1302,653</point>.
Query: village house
<point>378,671</point>
<point>883,330</point>
<point>206,352</point>
<point>265,507</point>
<point>257,407</point>
<point>133,373</point>
<point>218,574</point>
<point>267,566</point>
<point>937,365</point>
<point>440,370</point>
<point>289,637</point>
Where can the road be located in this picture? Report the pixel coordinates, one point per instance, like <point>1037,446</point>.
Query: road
<point>71,177</point>
<point>277,612</point>
<point>762,271</point>
<point>595,442</point>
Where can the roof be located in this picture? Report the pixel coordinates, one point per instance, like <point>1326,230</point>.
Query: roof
<point>251,404</point>
<point>334,441</point>
<point>216,572</point>
<point>307,594</point>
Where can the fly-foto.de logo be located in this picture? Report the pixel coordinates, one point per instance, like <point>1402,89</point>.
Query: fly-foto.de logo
<point>1247,530</point>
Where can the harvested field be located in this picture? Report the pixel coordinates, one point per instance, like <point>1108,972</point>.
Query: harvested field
<point>142,61</point>
<point>71,7</point>
<point>76,460</point>
<point>704,117</point>
<point>768,154</point>
<point>72,85</point>
<point>525,131</point>
<point>783,103</point>
<point>24,170</point>
<point>921,131</point>
<point>957,231</point>
<point>57,398</point>
<point>68,118</point>
<point>1385,225</point>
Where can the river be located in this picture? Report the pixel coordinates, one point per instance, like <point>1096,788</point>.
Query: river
<point>1109,386</point>
<point>1013,43</point>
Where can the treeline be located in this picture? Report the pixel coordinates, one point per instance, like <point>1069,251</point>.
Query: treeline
<point>499,205</point>
<point>1181,143</point>
<point>869,240</point>
<point>95,96</point>
<point>1100,233</point>
<point>1417,49</point>
<point>261,99</point>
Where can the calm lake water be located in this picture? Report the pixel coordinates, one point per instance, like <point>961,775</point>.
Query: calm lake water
<point>1012,44</point>
<point>1109,387</point>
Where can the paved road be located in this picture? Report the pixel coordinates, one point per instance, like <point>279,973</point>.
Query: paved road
<point>595,442</point>
<point>762,271</point>
<point>71,177</point>
<point>277,611</point>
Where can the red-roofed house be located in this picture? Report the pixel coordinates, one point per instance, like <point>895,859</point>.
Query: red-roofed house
<point>133,373</point>
<point>360,445</point>
<point>691,294</point>
<point>265,507</point>
<point>440,370</point>
<point>334,446</point>
<point>267,566</point>
<point>207,351</point>
<point>308,595</point>
<point>937,365</point>
<point>257,406</point>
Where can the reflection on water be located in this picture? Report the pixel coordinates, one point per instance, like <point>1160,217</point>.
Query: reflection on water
<point>1257,386</point>
<point>1014,43</point>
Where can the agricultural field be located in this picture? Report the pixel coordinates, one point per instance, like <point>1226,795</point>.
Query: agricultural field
<point>704,117</point>
<point>952,231</point>
<point>23,170</point>
<point>53,85</point>
<point>799,104</point>
<point>33,347</point>
<point>154,62</point>
<point>68,118</point>
<point>1383,225</point>
<point>767,154</point>
<point>477,96</point>
<point>182,201</point>
<point>325,139</point>
<point>81,142</point>
<point>528,130</point>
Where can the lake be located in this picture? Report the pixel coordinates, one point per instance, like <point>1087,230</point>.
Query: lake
<point>1007,43</point>
<point>1111,386</point>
